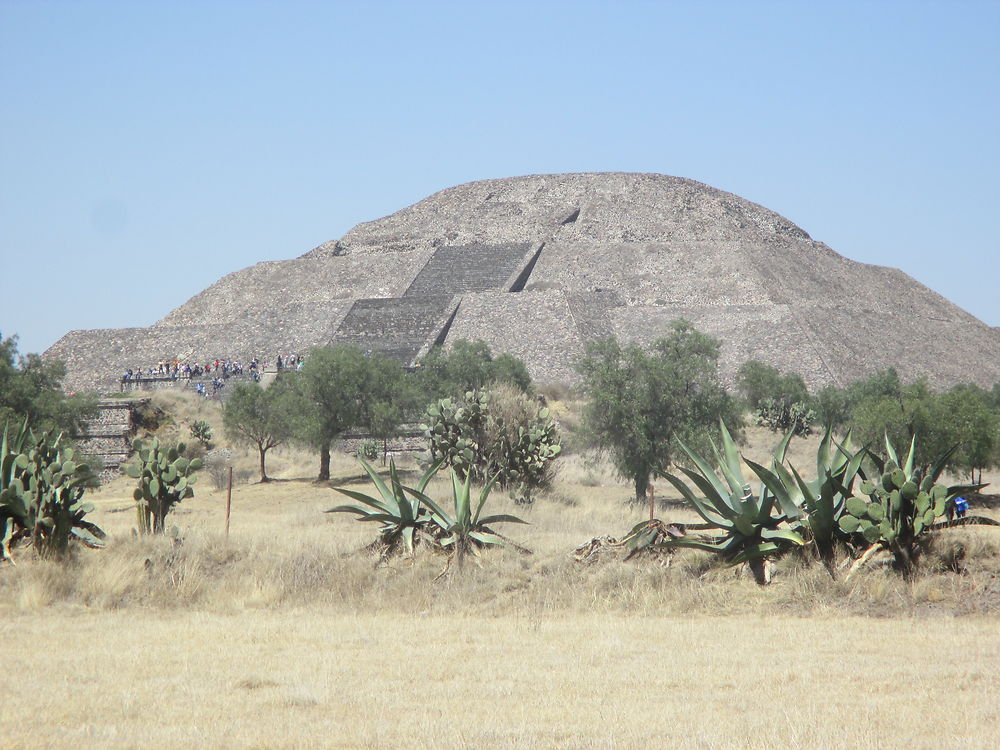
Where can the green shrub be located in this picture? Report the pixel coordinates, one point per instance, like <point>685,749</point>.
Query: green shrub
<point>368,450</point>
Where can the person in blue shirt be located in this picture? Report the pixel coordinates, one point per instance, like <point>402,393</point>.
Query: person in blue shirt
<point>961,507</point>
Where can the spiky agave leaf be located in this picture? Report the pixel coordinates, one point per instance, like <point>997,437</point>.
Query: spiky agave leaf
<point>397,507</point>
<point>750,528</point>
<point>964,521</point>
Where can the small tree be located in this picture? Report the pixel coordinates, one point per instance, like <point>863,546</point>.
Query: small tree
<point>911,410</point>
<point>642,403</point>
<point>758,381</point>
<point>202,432</point>
<point>832,407</point>
<point>973,426</point>
<point>339,388</point>
<point>259,417</point>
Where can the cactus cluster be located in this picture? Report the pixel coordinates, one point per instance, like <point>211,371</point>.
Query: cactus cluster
<point>453,430</point>
<point>899,504</point>
<point>495,436</point>
<point>41,493</point>
<point>165,478</point>
<point>894,506</point>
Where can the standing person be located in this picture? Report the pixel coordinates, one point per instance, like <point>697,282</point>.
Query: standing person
<point>279,361</point>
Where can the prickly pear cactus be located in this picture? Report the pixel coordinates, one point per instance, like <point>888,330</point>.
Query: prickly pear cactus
<point>42,495</point>
<point>165,478</point>
<point>454,430</point>
<point>529,453</point>
<point>475,437</point>
<point>894,509</point>
<point>897,506</point>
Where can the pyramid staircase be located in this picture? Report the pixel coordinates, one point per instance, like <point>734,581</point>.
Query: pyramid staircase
<point>399,327</point>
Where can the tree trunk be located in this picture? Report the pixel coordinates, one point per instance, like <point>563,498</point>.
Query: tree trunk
<point>263,471</point>
<point>904,559</point>
<point>324,463</point>
<point>641,487</point>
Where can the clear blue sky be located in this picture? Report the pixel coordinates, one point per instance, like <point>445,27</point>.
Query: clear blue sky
<point>149,148</point>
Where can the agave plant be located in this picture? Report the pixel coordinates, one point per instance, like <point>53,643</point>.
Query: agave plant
<point>821,502</point>
<point>898,507</point>
<point>404,521</point>
<point>463,530</point>
<point>754,528</point>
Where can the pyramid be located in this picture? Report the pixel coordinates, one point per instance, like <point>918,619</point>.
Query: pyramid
<point>536,266</point>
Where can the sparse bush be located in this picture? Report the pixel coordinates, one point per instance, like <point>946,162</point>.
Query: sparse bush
<point>783,416</point>
<point>368,450</point>
<point>202,432</point>
<point>216,465</point>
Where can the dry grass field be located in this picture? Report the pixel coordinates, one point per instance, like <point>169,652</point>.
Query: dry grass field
<point>284,635</point>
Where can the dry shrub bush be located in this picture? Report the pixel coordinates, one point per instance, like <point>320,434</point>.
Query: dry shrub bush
<point>206,571</point>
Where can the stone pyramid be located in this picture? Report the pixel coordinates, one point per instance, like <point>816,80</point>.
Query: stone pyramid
<point>538,265</point>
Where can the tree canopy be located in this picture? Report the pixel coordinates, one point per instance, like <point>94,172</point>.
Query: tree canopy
<point>261,417</point>
<point>31,388</point>
<point>468,366</point>
<point>339,388</point>
<point>758,382</point>
<point>642,403</point>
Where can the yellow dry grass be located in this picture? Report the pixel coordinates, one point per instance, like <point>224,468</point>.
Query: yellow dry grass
<point>283,635</point>
<point>314,678</point>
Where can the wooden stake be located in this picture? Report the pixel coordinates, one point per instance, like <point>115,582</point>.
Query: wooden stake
<point>651,491</point>
<point>229,499</point>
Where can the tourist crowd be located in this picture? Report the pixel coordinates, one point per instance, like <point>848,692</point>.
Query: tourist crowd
<point>219,370</point>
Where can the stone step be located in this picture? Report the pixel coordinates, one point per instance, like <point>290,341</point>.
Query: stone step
<point>457,269</point>
<point>395,327</point>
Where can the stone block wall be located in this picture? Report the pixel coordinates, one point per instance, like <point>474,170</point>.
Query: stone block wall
<point>109,435</point>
